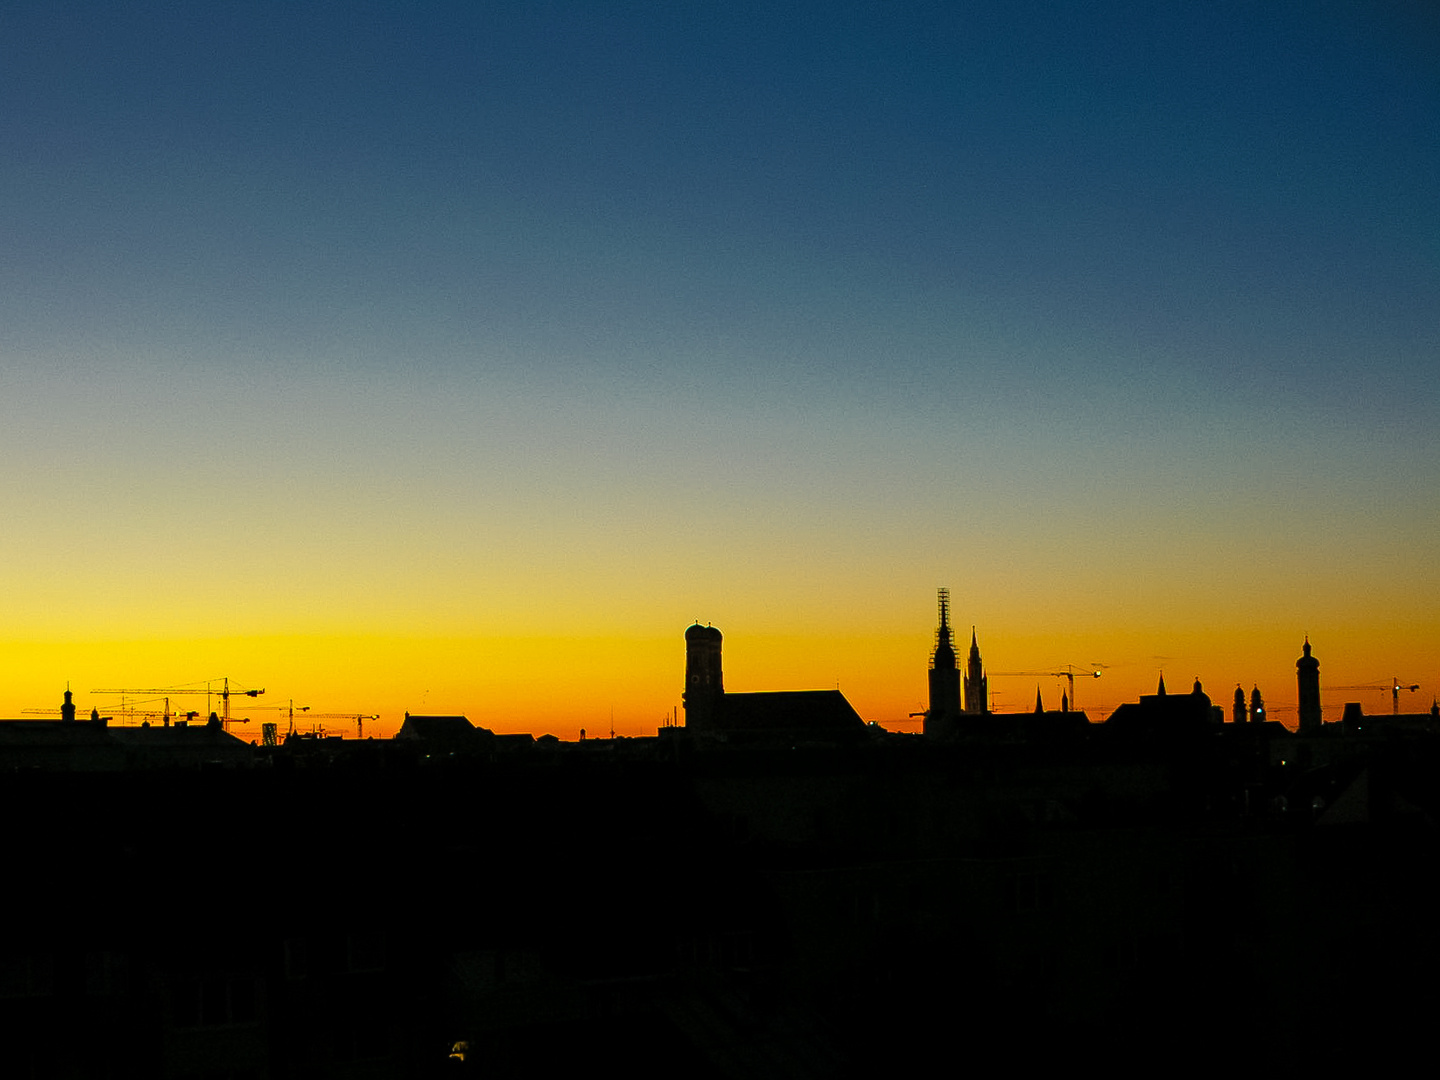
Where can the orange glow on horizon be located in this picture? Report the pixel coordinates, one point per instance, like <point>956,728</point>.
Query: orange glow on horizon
<point>559,684</point>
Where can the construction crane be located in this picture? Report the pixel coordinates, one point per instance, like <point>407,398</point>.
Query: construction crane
<point>224,693</point>
<point>1093,671</point>
<point>291,709</point>
<point>1394,685</point>
<point>359,719</point>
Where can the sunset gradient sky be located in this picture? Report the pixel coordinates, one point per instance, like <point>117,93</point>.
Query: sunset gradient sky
<point>455,357</point>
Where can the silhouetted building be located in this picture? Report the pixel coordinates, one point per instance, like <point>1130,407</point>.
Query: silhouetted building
<point>944,712</point>
<point>1307,674</point>
<point>1167,714</point>
<point>704,679</point>
<point>444,734</point>
<point>1354,721</point>
<point>977,692</point>
<point>710,710</point>
<point>1238,714</point>
<point>70,746</point>
<point>182,745</point>
<point>58,746</point>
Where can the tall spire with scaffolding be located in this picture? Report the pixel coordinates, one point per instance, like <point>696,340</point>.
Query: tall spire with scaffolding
<point>944,711</point>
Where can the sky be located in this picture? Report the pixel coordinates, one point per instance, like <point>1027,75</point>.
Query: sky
<point>456,357</point>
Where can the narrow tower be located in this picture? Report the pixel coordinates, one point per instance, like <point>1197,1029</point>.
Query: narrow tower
<point>1238,710</point>
<point>704,684</point>
<point>977,693</point>
<point>944,711</point>
<point>1307,673</point>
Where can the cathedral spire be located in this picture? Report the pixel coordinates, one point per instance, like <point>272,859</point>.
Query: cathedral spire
<point>977,693</point>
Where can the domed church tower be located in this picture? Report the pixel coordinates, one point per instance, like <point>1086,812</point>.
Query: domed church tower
<point>704,683</point>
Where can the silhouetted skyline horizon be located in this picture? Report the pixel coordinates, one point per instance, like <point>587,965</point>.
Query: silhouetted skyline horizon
<point>142,706</point>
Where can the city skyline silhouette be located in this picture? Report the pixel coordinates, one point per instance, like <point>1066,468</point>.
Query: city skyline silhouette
<point>547,428</point>
<point>770,886</point>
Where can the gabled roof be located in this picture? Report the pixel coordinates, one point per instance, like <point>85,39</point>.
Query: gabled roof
<point>437,729</point>
<point>177,744</point>
<point>788,710</point>
<point>1164,714</point>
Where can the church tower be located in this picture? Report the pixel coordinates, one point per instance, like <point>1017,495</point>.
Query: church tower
<point>704,683</point>
<point>944,711</point>
<point>1307,673</point>
<point>977,692</point>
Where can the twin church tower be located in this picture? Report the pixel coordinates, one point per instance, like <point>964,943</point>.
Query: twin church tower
<point>943,716</point>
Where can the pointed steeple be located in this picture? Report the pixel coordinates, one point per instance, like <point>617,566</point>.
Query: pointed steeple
<point>1161,691</point>
<point>1039,705</point>
<point>977,691</point>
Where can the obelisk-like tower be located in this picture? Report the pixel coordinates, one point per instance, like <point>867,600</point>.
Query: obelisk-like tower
<point>1307,673</point>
